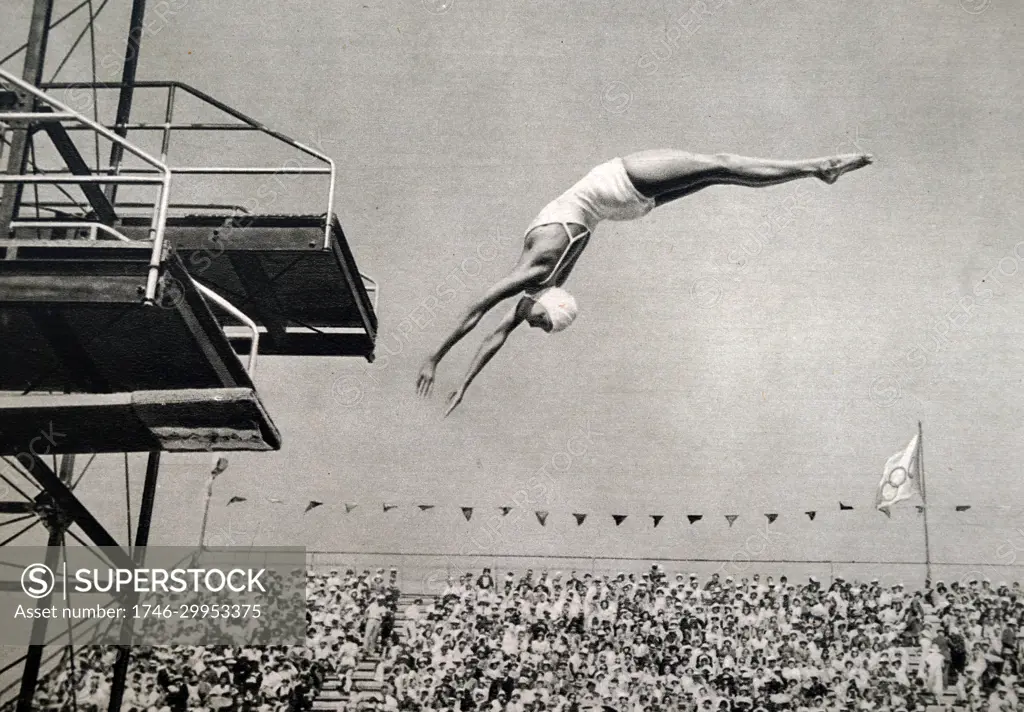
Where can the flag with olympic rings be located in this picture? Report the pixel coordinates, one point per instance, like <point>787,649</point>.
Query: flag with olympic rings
<point>900,478</point>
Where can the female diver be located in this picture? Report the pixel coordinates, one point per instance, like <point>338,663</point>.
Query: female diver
<point>622,189</point>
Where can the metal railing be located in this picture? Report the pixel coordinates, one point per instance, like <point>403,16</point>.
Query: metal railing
<point>247,123</point>
<point>373,286</point>
<point>244,123</point>
<point>241,316</point>
<point>158,172</point>
<point>61,112</point>
<point>94,227</point>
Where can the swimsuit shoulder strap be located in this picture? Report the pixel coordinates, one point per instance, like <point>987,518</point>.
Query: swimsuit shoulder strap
<point>573,240</point>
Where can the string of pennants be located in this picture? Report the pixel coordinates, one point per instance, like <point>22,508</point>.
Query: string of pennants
<point>580,517</point>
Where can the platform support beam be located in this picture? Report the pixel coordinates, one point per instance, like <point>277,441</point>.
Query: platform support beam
<point>127,91</point>
<point>77,165</point>
<point>259,290</point>
<point>67,502</point>
<point>124,651</point>
<point>34,657</point>
<point>57,525</point>
<point>35,56</point>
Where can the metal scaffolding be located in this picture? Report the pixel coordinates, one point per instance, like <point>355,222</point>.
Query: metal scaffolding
<point>288,285</point>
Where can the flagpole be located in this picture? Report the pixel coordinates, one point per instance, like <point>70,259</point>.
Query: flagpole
<point>219,465</point>
<point>206,513</point>
<point>924,500</point>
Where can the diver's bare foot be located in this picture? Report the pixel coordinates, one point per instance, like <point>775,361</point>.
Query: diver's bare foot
<point>836,166</point>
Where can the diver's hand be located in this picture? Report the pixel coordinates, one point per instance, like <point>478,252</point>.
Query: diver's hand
<point>453,401</point>
<point>425,381</point>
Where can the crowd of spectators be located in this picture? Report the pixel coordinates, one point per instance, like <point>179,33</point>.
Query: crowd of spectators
<point>206,676</point>
<point>178,678</point>
<point>651,642</point>
<point>350,614</point>
<point>566,643</point>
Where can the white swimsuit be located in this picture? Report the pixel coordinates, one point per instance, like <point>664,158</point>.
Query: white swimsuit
<point>605,193</point>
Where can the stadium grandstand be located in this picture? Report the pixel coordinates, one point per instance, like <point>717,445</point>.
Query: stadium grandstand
<point>566,641</point>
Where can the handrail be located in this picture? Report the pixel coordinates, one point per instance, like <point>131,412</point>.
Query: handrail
<point>8,116</point>
<point>241,316</point>
<point>195,126</point>
<point>234,113</point>
<point>219,170</point>
<point>375,289</point>
<point>159,171</point>
<point>59,178</point>
<point>159,221</point>
<point>48,204</point>
<point>94,227</point>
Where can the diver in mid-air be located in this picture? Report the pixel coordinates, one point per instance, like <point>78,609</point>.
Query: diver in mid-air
<point>621,189</point>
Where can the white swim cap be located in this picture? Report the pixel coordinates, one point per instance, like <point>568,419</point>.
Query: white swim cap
<point>559,305</point>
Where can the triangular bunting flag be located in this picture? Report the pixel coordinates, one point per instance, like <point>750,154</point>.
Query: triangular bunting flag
<point>425,507</point>
<point>504,511</point>
<point>313,504</point>
<point>542,517</point>
<point>349,507</point>
<point>811,514</point>
<point>467,512</point>
<point>731,518</point>
<point>962,507</point>
<point>694,517</point>
<point>236,499</point>
<point>772,517</point>
<point>619,518</point>
<point>845,507</point>
<point>389,507</point>
<point>657,519</point>
<point>580,518</point>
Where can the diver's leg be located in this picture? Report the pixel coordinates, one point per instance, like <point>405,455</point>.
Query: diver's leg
<point>668,174</point>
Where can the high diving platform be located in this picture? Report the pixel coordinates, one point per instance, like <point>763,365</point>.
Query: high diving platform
<point>130,326</point>
<point>138,290</point>
<point>92,362</point>
<point>303,290</point>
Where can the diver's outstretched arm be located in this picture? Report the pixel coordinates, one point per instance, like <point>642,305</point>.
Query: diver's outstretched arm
<point>490,346</point>
<point>509,286</point>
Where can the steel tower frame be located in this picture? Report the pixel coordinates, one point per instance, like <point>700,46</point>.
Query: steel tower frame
<point>48,488</point>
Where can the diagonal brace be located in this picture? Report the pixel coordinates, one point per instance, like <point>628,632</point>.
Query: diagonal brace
<point>78,512</point>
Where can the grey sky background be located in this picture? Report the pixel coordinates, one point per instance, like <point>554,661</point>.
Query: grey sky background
<point>740,351</point>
